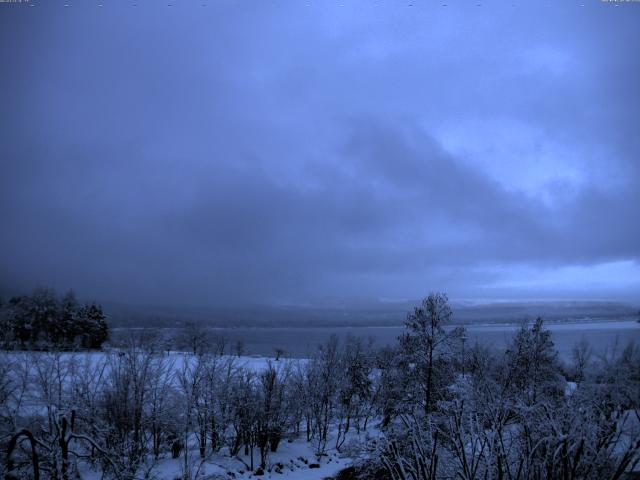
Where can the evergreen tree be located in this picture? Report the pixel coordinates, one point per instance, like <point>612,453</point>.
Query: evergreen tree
<point>428,345</point>
<point>532,362</point>
<point>92,326</point>
<point>41,320</point>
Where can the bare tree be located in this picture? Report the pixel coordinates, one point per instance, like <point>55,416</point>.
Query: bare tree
<point>190,382</point>
<point>197,338</point>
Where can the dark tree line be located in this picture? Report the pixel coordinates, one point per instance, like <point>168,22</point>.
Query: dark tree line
<point>44,320</point>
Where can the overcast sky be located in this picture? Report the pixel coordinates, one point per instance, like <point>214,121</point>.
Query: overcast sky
<point>292,152</point>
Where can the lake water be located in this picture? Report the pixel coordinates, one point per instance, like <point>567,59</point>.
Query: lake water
<point>302,341</point>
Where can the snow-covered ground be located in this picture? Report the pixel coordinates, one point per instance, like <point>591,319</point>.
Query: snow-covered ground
<point>294,460</point>
<point>90,359</point>
<point>97,362</point>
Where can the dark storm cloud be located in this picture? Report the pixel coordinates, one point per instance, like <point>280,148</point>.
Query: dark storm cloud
<point>291,153</point>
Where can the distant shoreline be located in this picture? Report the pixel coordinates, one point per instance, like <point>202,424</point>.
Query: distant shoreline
<point>469,325</point>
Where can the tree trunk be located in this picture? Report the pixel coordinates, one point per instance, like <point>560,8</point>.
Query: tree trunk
<point>34,454</point>
<point>203,442</point>
<point>427,404</point>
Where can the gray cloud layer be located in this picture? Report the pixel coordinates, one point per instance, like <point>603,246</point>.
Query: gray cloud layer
<point>292,153</point>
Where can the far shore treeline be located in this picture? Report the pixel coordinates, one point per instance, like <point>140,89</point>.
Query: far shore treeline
<point>44,320</point>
